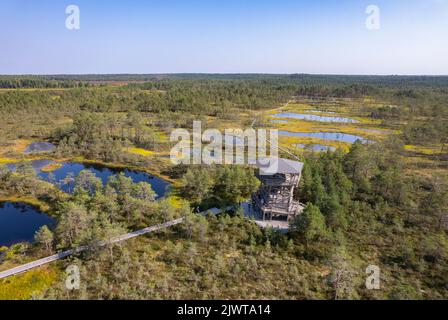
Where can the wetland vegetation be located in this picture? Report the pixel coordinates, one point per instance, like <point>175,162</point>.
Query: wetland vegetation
<point>384,202</point>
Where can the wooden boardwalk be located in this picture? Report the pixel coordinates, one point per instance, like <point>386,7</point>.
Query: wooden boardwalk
<point>127,236</point>
<point>64,254</point>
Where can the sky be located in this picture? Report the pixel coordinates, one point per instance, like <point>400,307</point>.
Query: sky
<point>226,36</point>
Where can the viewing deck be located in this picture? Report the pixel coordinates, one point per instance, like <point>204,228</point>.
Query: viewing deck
<point>279,208</point>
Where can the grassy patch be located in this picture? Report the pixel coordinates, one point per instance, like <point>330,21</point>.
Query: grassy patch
<point>18,146</point>
<point>176,201</point>
<point>423,149</point>
<point>51,167</point>
<point>289,143</point>
<point>7,160</point>
<point>140,151</point>
<point>27,285</point>
<point>365,127</point>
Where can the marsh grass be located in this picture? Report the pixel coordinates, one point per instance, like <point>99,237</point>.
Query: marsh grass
<point>28,285</point>
<point>366,127</point>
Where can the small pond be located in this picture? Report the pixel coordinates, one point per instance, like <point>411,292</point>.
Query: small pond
<point>37,147</point>
<point>19,222</point>
<point>159,185</point>
<point>336,136</point>
<point>315,147</point>
<point>312,117</point>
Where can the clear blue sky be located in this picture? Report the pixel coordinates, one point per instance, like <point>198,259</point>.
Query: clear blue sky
<point>226,36</point>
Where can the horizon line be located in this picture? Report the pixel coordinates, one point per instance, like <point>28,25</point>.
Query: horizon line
<point>225,73</point>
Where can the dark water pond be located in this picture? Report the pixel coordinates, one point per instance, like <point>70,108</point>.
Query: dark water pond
<point>37,147</point>
<point>312,117</point>
<point>337,136</point>
<point>19,222</point>
<point>58,176</point>
<point>315,147</point>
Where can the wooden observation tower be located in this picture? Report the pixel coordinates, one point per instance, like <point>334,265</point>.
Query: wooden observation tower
<point>274,200</point>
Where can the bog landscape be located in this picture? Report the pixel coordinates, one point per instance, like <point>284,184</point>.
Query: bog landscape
<point>362,184</point>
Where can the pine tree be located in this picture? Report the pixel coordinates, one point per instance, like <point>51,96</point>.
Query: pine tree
<point>45,237</point>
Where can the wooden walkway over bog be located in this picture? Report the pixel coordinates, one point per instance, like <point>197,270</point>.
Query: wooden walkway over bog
<point>63,254</point>
<point>127,236</point>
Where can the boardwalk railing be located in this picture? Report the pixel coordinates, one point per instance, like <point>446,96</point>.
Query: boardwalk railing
<point>64,254</point>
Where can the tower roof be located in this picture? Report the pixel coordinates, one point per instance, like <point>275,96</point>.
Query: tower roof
<point>271,165</point>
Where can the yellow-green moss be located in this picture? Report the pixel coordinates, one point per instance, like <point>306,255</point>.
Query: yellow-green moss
<point>51,167</point>
<point>140,151</point>
<point>423,150</point>
<point>25,286</point>
<point>7,160</point>
<point>176,201</point>
<point>18,146</point>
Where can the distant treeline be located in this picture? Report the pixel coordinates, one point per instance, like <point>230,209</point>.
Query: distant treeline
<point>178,97</point>
<point>38,82</point>
<point>366,82</point>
